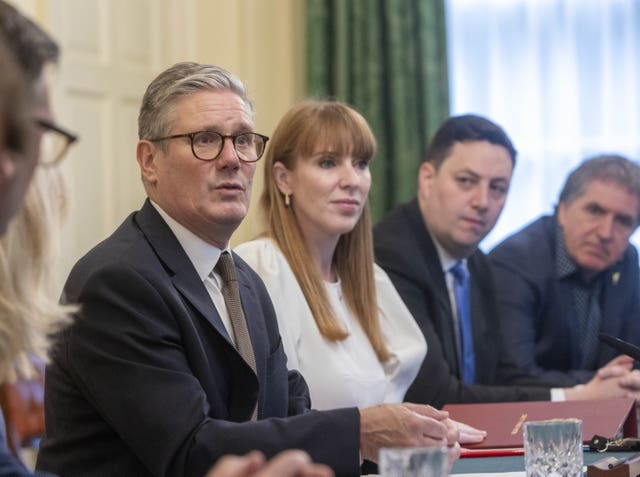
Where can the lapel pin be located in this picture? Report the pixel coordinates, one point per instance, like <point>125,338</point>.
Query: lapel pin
<point>615,278</point>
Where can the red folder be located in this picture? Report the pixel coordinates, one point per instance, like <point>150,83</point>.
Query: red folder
<point>503,420</point>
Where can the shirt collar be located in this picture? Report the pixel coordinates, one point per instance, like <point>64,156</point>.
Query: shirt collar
<point>446,259</point>
<point>203,255</point>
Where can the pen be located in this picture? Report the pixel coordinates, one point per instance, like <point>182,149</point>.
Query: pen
<point>627,460</point>
<point>490,452</point>
<point>616,463</point>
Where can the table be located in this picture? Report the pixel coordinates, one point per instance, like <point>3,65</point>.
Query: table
<point>491,465</point>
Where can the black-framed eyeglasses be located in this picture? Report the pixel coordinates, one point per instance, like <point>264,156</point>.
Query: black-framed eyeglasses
<point>207,145</point>
<point>55,142</point>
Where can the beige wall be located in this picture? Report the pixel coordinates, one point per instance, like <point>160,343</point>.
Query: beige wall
<point>264,44</point>
<point>261,41</point>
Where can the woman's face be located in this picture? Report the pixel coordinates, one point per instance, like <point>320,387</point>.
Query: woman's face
<point>328,192</point>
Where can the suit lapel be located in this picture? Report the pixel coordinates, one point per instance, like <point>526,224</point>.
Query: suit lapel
<point>434,277</point>
<point>181,270</point>
<point>185,279</point>
<point>482,296</point>
<point>613,290</point>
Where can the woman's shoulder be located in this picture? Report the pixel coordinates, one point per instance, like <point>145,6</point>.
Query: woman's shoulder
<point>390,304</point>
<point>381,278</point>
<point>263,255</point>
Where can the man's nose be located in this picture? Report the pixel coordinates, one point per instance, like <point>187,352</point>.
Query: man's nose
<point>228,156</point>
<point>605,227</point>
<point>481,197</point>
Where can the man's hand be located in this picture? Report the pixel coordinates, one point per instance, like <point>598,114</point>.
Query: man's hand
<point>614,380</point>
<point>291,463</point>
<point>631,383</point>
<point>616,367</point>
<point>468,434</point>
<point>406,425</point>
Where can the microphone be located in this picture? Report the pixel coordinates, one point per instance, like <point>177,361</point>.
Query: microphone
<point>623,346</point>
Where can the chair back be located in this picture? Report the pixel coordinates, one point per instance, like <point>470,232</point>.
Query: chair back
<point>22,404</point>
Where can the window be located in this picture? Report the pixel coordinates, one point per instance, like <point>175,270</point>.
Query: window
<point>561,76</point>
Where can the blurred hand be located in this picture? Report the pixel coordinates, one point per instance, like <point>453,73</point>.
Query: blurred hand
<point>290,463</point>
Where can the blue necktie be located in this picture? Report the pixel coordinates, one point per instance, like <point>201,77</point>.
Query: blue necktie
<point>462,291</point>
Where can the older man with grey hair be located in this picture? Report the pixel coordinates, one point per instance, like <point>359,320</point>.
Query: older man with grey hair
<point>567,277</point>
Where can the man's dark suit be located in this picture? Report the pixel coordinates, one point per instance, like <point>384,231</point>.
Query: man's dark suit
<point>538,309</point>
<point>404,248</point>
<point>147,382</point>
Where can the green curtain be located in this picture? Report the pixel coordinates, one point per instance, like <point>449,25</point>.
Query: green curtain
<point>388,59</point>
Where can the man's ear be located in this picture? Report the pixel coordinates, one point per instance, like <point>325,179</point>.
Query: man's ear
<point>282,177</point>
<point>147,156</point>
<point>426,175</point>
<point>561,212</point>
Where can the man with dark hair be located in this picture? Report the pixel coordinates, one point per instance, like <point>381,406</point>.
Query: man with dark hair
<point>23,102</point>
<point>18,155</point>
<point>429,248</point>
<point>33,50</point>
<point>31,45</point>
<point>566,277</point>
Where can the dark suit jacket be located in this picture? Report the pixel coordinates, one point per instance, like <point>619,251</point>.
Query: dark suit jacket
<point>404,248</point>
<point>538,309</point>
<point>146,381</point>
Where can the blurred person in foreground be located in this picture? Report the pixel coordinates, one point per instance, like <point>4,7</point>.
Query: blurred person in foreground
<point>28,311</point>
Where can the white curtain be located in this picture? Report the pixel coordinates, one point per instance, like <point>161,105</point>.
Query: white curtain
<point>561,76</point>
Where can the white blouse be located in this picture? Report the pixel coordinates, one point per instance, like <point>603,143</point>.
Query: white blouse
<point>341,373</point>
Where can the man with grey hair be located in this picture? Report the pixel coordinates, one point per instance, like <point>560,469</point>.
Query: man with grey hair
<point>175,357</point>
<point>567,277</point>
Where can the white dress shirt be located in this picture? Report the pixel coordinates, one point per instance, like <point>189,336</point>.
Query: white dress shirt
<point>340,373</point>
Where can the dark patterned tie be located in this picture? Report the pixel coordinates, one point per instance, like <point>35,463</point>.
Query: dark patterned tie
<point>231,293</point>
<point>587,301</point>
<point>462,291</point>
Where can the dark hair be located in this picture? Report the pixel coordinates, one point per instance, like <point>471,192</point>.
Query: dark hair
<point>465,129</point>
<point>31,46</point>
<point>14,105</point>
<point>605,167</point>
